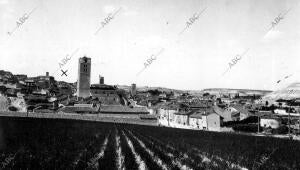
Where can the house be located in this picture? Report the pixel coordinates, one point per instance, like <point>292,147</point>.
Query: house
<point>270,121</point>
<point>282,102</point>
<point>280,111</point>
<point>162,96</point>
<point>3,89</point>
<point>182,117</point>
<point>226,114</point>
<point>167,111</point>
<point>21,77</point>
<point>206,119</point>
<point>201,105</point>
<point>239,112</point>
<point>105,93</point>
<point>226,100</point>
<point>4,103</point>
<point>30,85</point>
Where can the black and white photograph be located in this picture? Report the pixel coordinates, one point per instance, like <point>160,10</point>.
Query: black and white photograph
<point>150,84</point>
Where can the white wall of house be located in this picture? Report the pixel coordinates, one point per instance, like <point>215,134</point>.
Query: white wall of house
<point>227,115</point>
<point>243,116</point>
<point>211,122</point>
<point>196,123</point>
<point>269,122</point>
<point>280,111</point>
<point>182,119</point>
<point>165,113</point>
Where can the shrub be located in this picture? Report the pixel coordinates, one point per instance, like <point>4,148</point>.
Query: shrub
<point>281,130</point>
<point>246,127</point>
<point>12,108</point>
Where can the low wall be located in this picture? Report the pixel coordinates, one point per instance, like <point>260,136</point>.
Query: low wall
<point>115,118</point>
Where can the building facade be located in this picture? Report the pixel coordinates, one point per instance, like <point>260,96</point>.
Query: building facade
<point>106,94</point>
<point>270,122</point>
<point>205,121</point>
<point>84,77</point>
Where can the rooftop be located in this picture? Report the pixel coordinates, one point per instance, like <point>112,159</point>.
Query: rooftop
<point>103,87</point>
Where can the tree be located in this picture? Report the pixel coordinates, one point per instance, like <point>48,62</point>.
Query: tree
<point>206,94</point>
<point>12,108</point>
<point>267,103</point>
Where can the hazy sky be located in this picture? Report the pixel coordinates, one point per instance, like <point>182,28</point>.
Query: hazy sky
<point>195,59</point>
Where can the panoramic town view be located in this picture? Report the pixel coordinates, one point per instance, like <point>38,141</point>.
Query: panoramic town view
<point>150,84</point>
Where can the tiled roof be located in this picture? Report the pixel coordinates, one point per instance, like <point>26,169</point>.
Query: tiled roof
<point>170,106</point>
<point>241,109</point>
<point>196,115</point>
<point>184,113</point>
<point>103,87</point>
<point>264,113</point>
<point>270,117</point>
<point>203,112</point>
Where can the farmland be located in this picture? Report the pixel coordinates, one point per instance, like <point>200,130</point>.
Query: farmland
<point>29,143</point>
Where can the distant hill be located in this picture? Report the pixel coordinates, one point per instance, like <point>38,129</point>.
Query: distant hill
<point>233,91</point>
<point>290,92</point>
<point>146,88</point>
<point>200,92</point>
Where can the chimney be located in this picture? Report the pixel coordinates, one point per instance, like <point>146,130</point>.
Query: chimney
<point>47,74</point>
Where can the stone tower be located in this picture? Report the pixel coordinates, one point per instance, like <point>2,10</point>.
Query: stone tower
<point>84,77</point>
<point>133,89</point>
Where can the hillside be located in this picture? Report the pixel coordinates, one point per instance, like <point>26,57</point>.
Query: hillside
<point>146,88</point>
<point>232,91</point>
<point>290,92</point>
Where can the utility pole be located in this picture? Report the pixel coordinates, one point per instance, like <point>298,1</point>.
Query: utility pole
<point>258,123</point>
<point>168,117</point>
<point>289,123</point>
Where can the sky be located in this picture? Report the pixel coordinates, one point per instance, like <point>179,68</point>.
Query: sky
<point>194,59</point>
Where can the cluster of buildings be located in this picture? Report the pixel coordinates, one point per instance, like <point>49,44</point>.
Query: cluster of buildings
<point>45,94</point>
<point>222,112</point>
<point>173,108</point>
<point>203,115</point>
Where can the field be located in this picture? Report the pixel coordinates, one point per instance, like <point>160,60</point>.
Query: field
<point>28,143</point>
